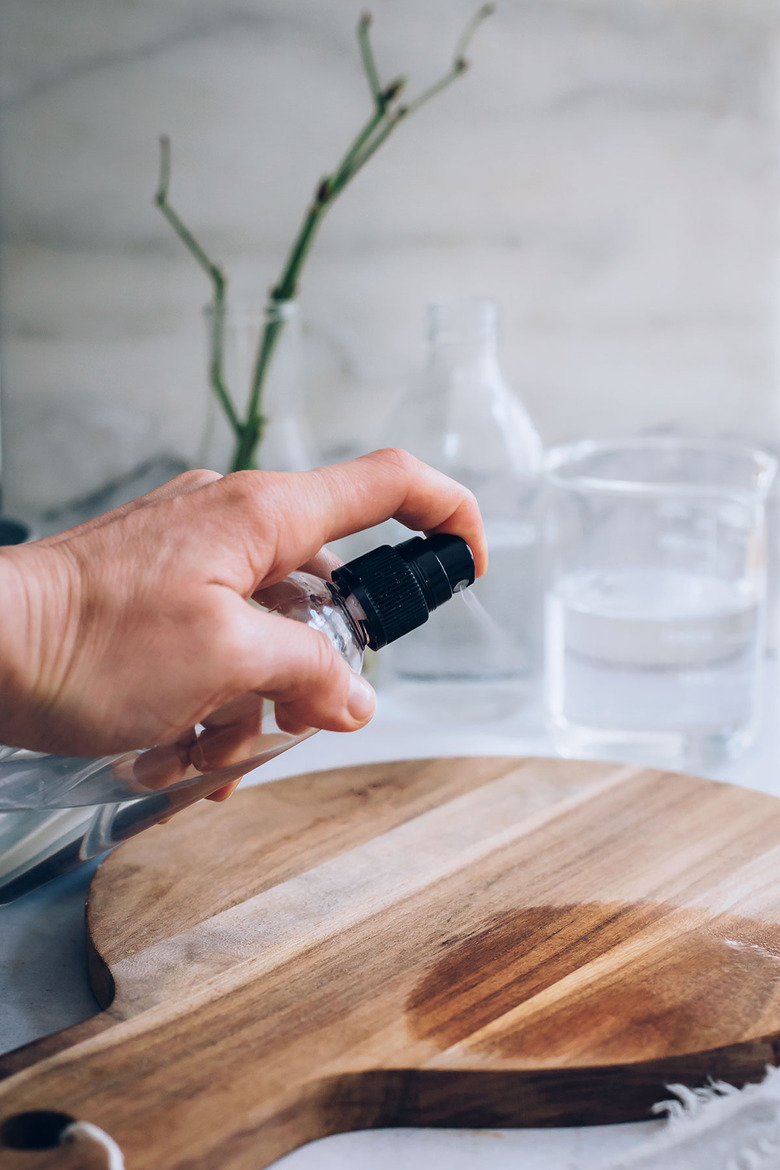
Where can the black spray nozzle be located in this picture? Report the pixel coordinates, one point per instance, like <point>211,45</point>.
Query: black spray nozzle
<point>399,586</point>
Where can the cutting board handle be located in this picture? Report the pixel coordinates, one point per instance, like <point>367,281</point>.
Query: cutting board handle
<point>38,1050</point>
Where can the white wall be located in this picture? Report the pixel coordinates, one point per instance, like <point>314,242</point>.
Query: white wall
<point>608,170</point>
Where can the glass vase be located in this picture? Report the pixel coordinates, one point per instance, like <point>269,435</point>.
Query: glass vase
<point>287,442</point>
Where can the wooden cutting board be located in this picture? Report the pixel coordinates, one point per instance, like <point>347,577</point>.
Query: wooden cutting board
<point>473,942</point>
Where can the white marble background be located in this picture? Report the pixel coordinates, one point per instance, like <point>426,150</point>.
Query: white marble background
<point>608,170</point>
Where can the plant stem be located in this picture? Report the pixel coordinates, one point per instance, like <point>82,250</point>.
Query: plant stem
<point>267,345</point>
<point>244,454</point>
<point>468,33</point>
<point>374,132</point>
<point>219,287</point>
<point>384,119</point>
<point>367,55</point>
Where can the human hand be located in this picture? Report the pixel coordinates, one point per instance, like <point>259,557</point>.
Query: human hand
<point>134,627</point>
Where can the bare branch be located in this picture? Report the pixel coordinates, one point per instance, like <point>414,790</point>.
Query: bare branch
<point>459,61</point>
<point>466,36</point>
<point>215,275</point>
<point>164,180</point>
<point>217,359</point>
<point>211,269</point>
<point>374,132</point>
<point>371,147</point>
<point>286,287</point>
<point>436,88</point>
<point>367,56</point>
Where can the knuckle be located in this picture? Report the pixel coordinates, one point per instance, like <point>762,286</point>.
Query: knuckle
<point>399,458</point>
<point>245,487</point>
<point>197,477</point>
<point>469,496</point>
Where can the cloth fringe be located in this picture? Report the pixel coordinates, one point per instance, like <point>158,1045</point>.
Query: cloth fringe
<point>714,1127</point>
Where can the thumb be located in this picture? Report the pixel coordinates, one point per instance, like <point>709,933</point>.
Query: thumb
<point>309,682</point>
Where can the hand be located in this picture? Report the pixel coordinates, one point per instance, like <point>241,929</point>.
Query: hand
<point>134,627</point>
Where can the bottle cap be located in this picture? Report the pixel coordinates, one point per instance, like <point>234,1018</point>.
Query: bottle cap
<point>399,586</point>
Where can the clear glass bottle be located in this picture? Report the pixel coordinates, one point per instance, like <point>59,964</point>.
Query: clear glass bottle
<point>462,418</point>
<point>57,811</point>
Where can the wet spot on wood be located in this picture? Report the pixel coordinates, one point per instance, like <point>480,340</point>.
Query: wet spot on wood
<point>702,986</point>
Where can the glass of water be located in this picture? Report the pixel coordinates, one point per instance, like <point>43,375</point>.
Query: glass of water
<point>655,598</point>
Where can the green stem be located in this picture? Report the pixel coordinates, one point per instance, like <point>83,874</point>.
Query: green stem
<point>466,36</point>
<point>218,282</point>
<point>268,341</point>
<point>372,135</point>
<point>459,67</point>
<point>367,56</point>
<point>286,287</point>
<point>375,131</point>
<point>217,358</point>
<point>360,160</point>
<point>363,137</point>
<point>249,440</point>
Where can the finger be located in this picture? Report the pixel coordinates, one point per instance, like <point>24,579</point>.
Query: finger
<point>287,518</point>
<point>298,669</point>
<point>226,791</point>
<point>180,485</point>
<point>231,734</point>
<point>166,764</point>
<point>246,709</point>
<point>322,564</point>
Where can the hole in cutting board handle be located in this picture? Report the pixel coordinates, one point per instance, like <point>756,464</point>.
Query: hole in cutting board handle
<point>38,1129</point>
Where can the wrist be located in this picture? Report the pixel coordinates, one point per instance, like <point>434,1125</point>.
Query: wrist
<point>36,624</point>
<point>14,623</point>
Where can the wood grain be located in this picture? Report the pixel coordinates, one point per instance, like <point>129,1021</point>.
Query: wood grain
<point>471,942</point>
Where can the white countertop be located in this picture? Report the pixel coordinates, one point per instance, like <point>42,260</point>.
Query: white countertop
<point>43,978</point>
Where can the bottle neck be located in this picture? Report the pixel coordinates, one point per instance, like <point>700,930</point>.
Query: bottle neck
<point>355,615</point>
<point>457,360</point>
<point>463,341</point>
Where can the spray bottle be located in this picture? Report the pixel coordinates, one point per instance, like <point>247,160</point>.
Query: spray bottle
<point>57,811</point>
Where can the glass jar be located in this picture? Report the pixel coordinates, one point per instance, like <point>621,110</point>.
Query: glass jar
<point>655,602</point>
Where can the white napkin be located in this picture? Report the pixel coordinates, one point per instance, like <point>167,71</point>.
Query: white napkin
<point>714,1128</point>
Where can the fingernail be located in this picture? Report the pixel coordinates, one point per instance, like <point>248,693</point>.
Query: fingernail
<point>361,702</point>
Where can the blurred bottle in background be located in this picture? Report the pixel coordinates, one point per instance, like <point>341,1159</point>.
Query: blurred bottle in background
<point>462,418</point>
